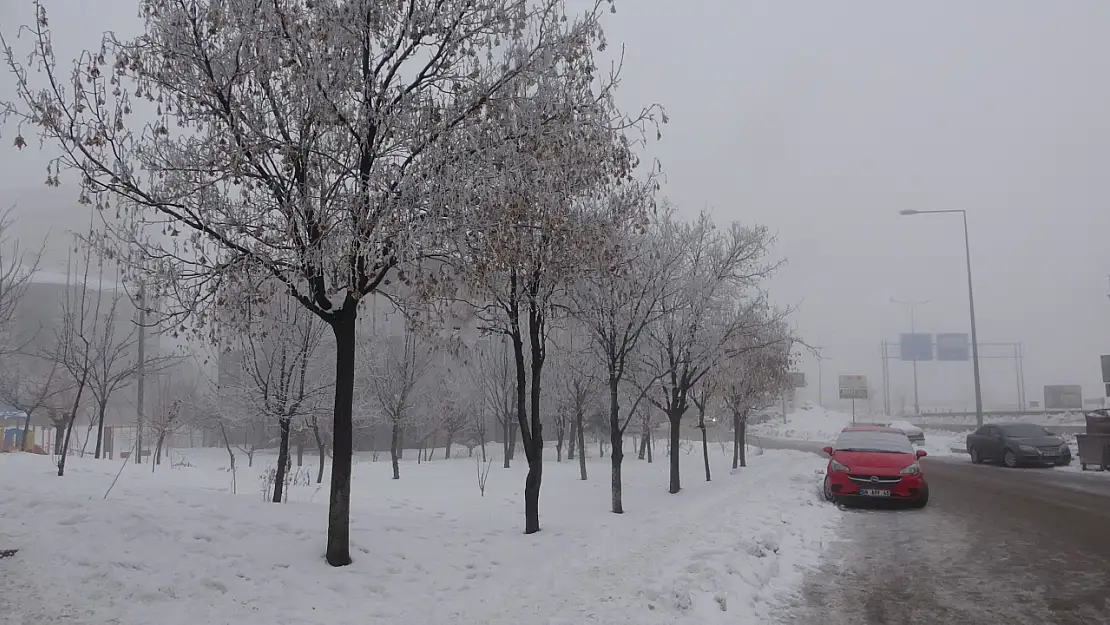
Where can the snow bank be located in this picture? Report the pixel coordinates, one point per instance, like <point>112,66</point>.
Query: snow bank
<point>175,547</point>
<point>813,424</point>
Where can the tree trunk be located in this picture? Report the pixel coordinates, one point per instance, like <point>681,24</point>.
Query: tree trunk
<point>447,449</point>
<point>643,441</point>
<point>505,441</point>
<point>59,438</point>
<point>157,459</point>
<point>736,439</point>
<point>231,455</point>
<point>339,504</point>
<point>676,423</point>
<point>559,445</point>
<point>600,447</point>
<point>571,439</point>
<point>139,436</point>
<point>482,443</point>
<point>514,432</point>
<point>23,443</point>
<point>320,448</point>
<point>704,443</point>
<point>579,418</point>
<point>394,450</point>
<point>651,445</point>
<point>616,439</point>
<point>65,443</point>
<point>300,448</point>
<point>102,407</point>
<point>743,443</point>
<point>283,459</point>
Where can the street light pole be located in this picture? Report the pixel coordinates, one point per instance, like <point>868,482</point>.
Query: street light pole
<point>971,309</point>
<point>913,330</point>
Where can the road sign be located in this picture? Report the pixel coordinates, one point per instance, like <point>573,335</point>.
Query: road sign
<point>1063,397</point>
<point>953,347</point>
<point>853,387</point>
<point>798,379</point>
<point>916,347</point>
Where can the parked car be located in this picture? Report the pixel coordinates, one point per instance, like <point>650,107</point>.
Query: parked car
<point>1015,444</point>
<point>875,463</point>
<point>912,432</point>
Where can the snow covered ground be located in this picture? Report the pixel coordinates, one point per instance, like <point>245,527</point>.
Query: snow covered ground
<point>175,547</point>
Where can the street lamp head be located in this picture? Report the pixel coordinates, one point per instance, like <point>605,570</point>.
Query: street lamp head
<point>907,211</point>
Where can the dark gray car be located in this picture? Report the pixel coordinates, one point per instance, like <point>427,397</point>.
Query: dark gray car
<point>1014,444</point>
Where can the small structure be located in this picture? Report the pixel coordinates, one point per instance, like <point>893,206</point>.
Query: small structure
<point>1094,445</point>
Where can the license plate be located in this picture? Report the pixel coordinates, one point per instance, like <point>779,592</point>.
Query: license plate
<point>874,492</point>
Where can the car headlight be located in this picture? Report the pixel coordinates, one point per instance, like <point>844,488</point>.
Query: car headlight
<point>913,469</point>
<point>838,466</point>
<point>1028,448</point>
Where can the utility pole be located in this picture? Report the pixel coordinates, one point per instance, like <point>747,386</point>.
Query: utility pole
<point>913,330</point>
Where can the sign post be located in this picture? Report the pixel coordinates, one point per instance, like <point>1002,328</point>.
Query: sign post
<point>853,387</point>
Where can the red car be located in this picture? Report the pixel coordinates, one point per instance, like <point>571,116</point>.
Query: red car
<point>875,463</point>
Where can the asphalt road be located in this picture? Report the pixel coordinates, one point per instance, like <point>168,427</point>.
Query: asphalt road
<point>995,545</point>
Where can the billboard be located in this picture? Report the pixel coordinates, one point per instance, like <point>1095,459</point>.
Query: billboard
<point>853,387</point>
<point>953,346</point>
<point>916,347</point>
<point>1063,397</point>
<point>798,379</point>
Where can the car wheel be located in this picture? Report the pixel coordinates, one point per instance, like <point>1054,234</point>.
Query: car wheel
<point>975,457</point>
<point>923,500</point>
<point>1065,463</point>
<point>828,490</point>
<point>1010,459</point>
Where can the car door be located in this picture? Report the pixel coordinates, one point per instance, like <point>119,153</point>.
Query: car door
<point>997,443</point>
<point>980,440</point>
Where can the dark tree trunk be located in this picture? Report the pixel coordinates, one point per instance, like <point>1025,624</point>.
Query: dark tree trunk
<point>320,448</point>
<point>535,460</point>
<point>643,441</point>
<point>102,407</point>
<point>559,445</point>
<point>447,449</point>
<point>676,424</point>
<point>508,453</point>
<point>339,504</point>
<point>744,442</point>
<point>704,443</point>
<point>514,432</point>
<point>616,439</point>
<point>300,448</point>
<point>59,438</point>
<point>570,439</point>
<point>395,450</point>
<point>283,459</point>
<point>65,443</point>
<point>651,445</point>
<point>600,447</point>
<point>482,443</point>
<point>735,439</point>
<point>581,431</point>
<point>23,444</point>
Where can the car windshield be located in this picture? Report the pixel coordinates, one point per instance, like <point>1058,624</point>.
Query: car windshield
<point>888,442</point>
<point>1023,430</point>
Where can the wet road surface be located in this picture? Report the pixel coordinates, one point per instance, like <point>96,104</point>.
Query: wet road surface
<point>995,545</point>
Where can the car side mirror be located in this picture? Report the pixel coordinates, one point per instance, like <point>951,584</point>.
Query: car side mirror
<point>921,453</point>
<point>828,450</point>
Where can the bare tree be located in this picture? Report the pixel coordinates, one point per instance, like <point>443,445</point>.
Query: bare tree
<point>620,298</point>
<point>277,353</point>
<point>489,372</point>
<point>400,367</point>
<point>716,304</point>
<point>756,373</point>
<point>311,145</point>
<point>115,363</point>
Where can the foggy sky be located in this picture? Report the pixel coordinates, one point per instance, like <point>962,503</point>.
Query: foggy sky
<point>823,120</point>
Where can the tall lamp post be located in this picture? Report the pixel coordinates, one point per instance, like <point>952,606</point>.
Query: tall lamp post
<point>913,330</point>
<point>971,308</point>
